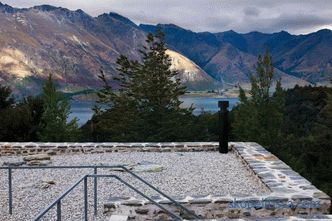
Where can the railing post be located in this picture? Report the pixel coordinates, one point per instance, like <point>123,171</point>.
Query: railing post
<point>223,126</point>
<point>58,211</point>
<point>95,192</point>
<point>10,191</point>
<point>85,198</point>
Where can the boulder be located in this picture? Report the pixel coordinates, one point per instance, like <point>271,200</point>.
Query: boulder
<point>147,167</point>
<point>45,184</point>
<point>116,169</point>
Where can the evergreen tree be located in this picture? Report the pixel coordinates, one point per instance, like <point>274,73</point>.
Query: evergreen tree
<point>19,121</point>
<point>6,100</point>
<point>54,126</point>
<point>259,117</point>
<point>146,107</point>
<point>320,149</point>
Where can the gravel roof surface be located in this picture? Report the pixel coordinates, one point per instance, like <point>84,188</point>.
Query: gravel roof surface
<point>188,173</point>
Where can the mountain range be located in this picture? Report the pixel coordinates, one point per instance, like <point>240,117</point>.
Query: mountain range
<point>73,46</point>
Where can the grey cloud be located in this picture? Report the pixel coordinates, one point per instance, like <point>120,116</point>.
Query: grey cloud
<point>251,11</point>
<point>294,16</point>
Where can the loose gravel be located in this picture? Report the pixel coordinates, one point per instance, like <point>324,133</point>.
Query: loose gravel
<point>194,173</point>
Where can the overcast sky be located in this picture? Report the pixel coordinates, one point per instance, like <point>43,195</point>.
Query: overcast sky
<point>294,16</point>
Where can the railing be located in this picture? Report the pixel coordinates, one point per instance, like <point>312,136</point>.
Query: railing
<point>95,170</point>
<point>57,202</point>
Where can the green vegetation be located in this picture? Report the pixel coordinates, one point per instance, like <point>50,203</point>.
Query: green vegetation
<point>40,118</point>
<point>6,99</point>
<point>147,106</point>
<point>307,134</point>
<point>19,121</point>
<point>259,118</point>
<point>54,118</point>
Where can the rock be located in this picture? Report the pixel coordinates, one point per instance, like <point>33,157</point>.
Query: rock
<point>185,214</point>
<point>37,157</point>
<point>39,162</point>
<point>321,195</point>
<point>44,184</point>
<point>199,200</point>
<point>14,164</point>
<point>147,167</point>
<point>132,202</point>
<point>129,167</point>
<point>142,211</point>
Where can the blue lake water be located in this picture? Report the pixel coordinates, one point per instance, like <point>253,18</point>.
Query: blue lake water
<point>83,109</point>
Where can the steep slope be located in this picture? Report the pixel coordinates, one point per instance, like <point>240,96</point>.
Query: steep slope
<point>73,46</point>
<point>231,60</point>
<point>228,57</point>
<point>310,58</point>
<point>304,57</point>
<point>199,47</point>
<point>48,40</point>
<point>190,74</point>
<point>230,65</point>
<point>70,45</point>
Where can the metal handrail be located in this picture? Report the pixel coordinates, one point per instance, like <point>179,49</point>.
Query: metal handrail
<point>57,202</point>
<point>95,167</point>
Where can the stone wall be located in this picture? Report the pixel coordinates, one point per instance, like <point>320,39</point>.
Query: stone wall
<point>7,149</point>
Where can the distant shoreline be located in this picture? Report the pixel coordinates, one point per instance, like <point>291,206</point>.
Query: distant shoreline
<point>210,95</point>
<point>231,94</point>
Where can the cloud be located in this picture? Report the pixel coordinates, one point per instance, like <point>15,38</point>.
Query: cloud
<point>251,11</point>
<point>294,16</point>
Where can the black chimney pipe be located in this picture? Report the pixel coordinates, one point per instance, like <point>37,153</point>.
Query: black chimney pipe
<point>223,126</point>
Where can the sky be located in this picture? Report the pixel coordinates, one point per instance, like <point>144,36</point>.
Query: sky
<point>294,16</point>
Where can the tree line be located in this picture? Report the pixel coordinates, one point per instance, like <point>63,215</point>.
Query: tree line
<point>37,118</point>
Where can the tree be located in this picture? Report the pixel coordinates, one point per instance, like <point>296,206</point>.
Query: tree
<point>6,99</point>
<point>259,117</point>
<point>307,134</point>
<point>320,149</point>
<point>54,126</point>
<point>19,121</point>
<point>146,107</point>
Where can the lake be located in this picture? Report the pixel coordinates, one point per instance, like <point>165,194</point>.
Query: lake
<point>83,109</point>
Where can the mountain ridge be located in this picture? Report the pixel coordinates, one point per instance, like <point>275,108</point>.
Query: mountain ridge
<point>285,48</point>
<point>74,46</point>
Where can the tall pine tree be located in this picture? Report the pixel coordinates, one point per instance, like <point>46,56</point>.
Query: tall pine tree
<point>54,126</point>
<point>146,107</point>
<point>259,117</point>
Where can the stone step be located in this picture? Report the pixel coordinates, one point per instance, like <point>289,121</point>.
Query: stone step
<point>118,218</point>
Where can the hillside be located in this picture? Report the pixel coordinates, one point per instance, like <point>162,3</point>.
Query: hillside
<point>74,46</point>
<point>71,45</point>
<point>230,56</point>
